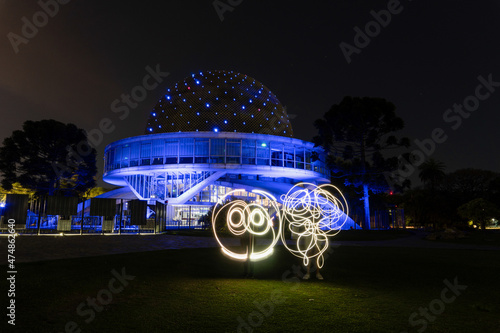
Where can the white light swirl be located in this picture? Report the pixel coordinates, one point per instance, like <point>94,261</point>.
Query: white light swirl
<point>248,220</point>
<point>312,214</point>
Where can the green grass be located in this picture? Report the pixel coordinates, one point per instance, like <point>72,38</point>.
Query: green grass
<point>198,290</point>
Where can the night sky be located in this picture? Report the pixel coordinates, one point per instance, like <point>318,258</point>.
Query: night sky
<point>425,60</point>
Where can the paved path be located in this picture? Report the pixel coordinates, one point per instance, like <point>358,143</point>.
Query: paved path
<point>41,248</point>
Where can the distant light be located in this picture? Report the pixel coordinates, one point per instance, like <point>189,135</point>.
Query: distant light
<point>263,144</point>
<point>216,129</point>
<point>151,129</point>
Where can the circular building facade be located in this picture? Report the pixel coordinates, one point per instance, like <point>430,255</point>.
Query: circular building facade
<point>212,133</point>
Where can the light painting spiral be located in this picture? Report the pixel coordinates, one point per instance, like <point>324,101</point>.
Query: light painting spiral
<point>312,214</point>
<point>248,220</point>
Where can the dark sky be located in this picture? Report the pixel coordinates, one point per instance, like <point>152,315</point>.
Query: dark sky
<point>426,59</point>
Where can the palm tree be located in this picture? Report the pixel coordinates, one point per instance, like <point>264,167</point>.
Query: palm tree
<point>431,173</point>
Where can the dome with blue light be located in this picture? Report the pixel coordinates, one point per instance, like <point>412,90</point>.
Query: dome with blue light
<point>219,101</point>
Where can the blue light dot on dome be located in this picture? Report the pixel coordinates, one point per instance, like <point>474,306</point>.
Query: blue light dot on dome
<point>154,114</point>
<point>168,97</point>
<point>159,126</point>
<point>183,99</point>
<point>243,107</point>
<point>244,123</point>
<point>207,105</point>
<point>216,129</point>
<point>250,101</point>
<point>225,121</point>
<point>150,129</point>
<point>197,82</point>
<point>197,113</point>
<point>234,114</point>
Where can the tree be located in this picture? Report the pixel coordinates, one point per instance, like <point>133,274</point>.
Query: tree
<point>356,133</point>
<point>471,183</point>
<point>431,173</point>
<point>479,211</point>
<point>48,157</point>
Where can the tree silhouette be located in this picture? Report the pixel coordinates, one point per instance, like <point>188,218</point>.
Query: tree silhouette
<point>431,173</point>
<point>48,157</point>
<point>356,134</point>
<point>480,211</point>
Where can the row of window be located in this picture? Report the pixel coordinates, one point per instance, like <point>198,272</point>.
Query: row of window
<point>205,150</point>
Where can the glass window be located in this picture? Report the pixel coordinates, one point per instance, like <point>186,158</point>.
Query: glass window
<point>118,157</point>
<point>233,148</point>
<point>158,148</point>
<point>276,154</point>
<point>135,150</point>
<point>299,157</point>
<point>289,156</point>
<point>146,154</point>
<point>248,151</point>
<point>217,147</point>
<point>171,151</point>
<point>201,147</point>
<point>263,152</point>
<point>186,147</point>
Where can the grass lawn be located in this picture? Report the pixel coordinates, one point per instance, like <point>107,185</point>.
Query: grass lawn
<point>371,289</point>
<point>345,235</point>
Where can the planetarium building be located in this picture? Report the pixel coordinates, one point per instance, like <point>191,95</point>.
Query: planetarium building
<point>212,133</point>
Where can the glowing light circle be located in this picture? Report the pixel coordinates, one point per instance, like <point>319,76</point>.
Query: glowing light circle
<point>248,220</point>
<point>312,214</point>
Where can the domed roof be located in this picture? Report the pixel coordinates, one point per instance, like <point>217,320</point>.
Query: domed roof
<point>219,101</point>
